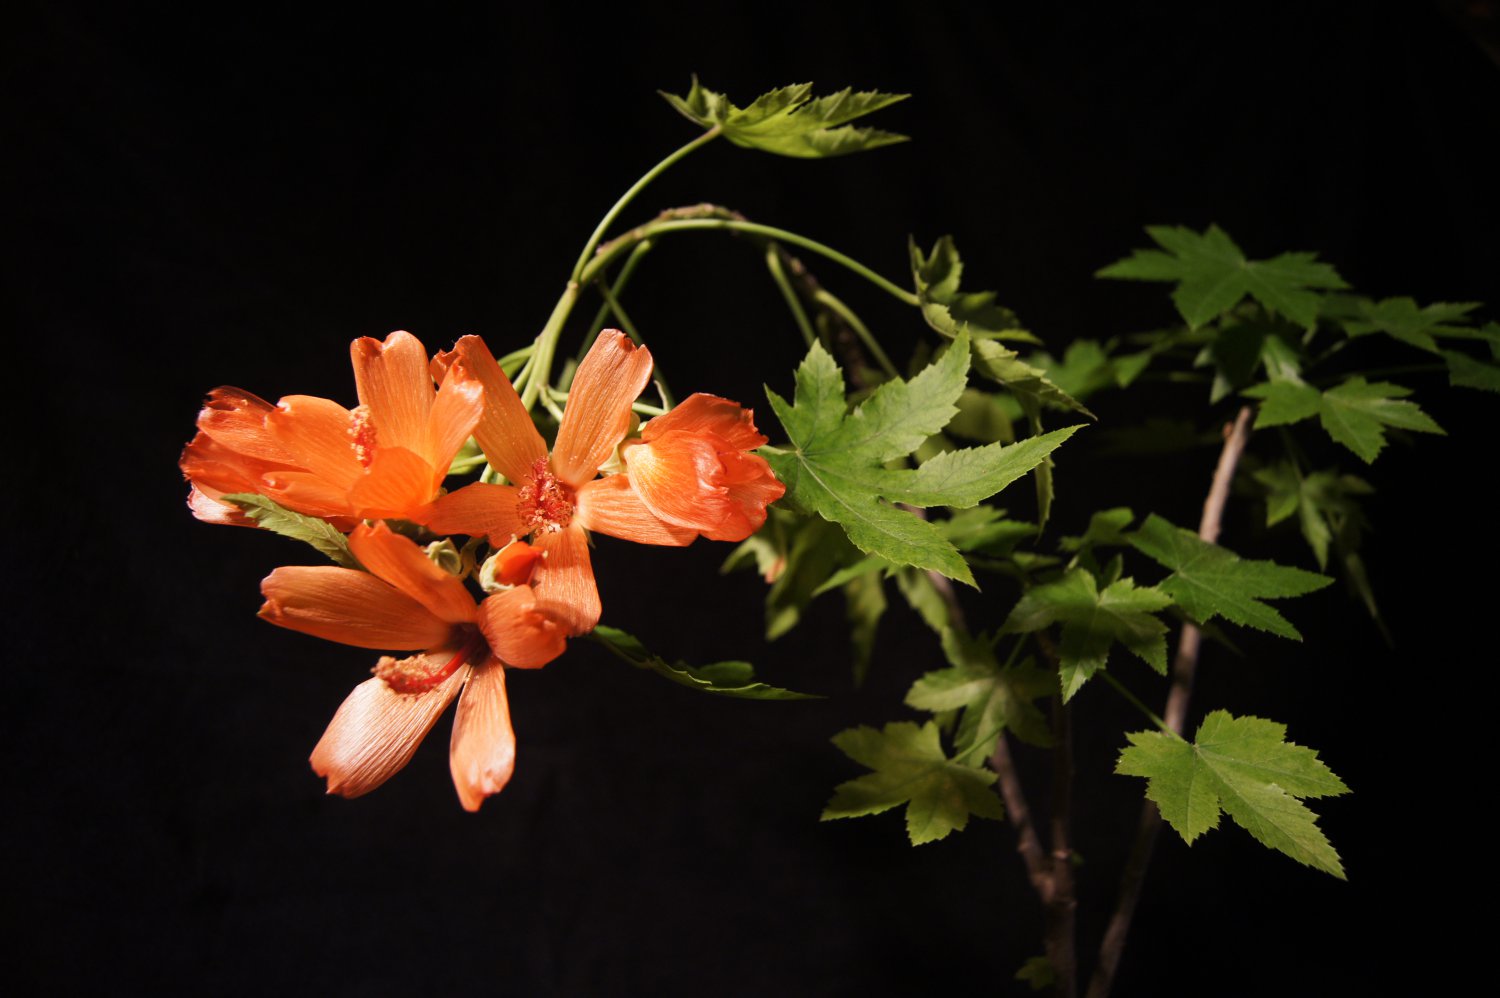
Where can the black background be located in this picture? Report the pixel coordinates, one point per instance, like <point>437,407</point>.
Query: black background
<point>230,197</point>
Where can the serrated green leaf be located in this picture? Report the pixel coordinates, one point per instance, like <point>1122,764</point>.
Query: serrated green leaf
<point>1209,581</point>
<point>1243,766</point>
<point>1323,502</point>
<point>985,530</point>
<point>981,417</point>
<point>909,767</point>
<point>1028,384</point>
<point>730,679</point>
<point>865,604</point>
<point>836,464</point>
<point>1092,620</point>
<point>1467,372</point>
<point>1284,402</point>
<point>993,698</point>
<point>1354,413</point>
<point>1402,319</point>
<point>322,535</point>
<point>1213,275</point>
<point>921,594</point>
<point>1088,367</point>
<point>789,121</point>
<point>936,277</point>
<point>1106,529</point>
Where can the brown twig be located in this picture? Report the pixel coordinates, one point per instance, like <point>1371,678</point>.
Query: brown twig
<point>1184,667</point>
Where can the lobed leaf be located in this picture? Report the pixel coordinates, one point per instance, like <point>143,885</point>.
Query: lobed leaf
<point>321,534</point>
<point>731,679</point>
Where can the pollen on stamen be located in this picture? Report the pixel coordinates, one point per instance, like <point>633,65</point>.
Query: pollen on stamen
<point>544,504</point>
<point>362,434</point>
<point>415,673</point>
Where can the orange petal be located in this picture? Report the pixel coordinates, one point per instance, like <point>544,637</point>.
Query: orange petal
<point>455,412</point>
<point>237,419</point>
<point>678,477</point>
<point>350,607</point>
<point>597,416</point>
<point>307,492</point>
<point>397,485</point>
<point>564,579</point>
<point>479,510</point>
<point>514,563</point>
<point>702,413</point>
<point>519,633</point>
<point>213,466</point>
<point>209,509</point>
<point>399,561</point>
<point>751,487</point>
<point>393,380</point>
<point>315,432</point>
<point>505,432</point>
<point>609,505</point>
<point>375,732</point>
<point>482,754</point>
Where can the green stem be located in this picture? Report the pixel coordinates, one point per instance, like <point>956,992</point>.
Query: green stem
<point>617,289</point>
<point>658,377</point>
<point>1135,702</point>
<point>546,345</point>
<point>662,227</point>
<point>844,312</point>
<point>778,274</point>
<point>628,196</point>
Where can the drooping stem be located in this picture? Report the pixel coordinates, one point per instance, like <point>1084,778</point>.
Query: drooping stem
<point>615,290</point>
<point>628,196</point>
<point>1184,668</point>
<point>784,284</point>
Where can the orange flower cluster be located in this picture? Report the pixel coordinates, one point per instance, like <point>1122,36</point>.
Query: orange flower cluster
<point>690,473</point>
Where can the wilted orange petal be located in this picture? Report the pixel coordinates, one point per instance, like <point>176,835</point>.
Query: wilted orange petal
<point>677,477</point>
<point>397,485</point>
<point>350,607</point>
<point>564,579</point>
<point>519,633</point>
<point>375,732</point>
<point>609,505</point>
<point>479,510</point>
<point>482,754</point>
<point>237,419</point>
<point>210,510</point>
<point>213,466</point>
<point>455,412</point>
<point>393,380</point>
<point>751,487</point>
<point>315,432</point>
<point>505,431</point>
<point>703,413</point>
<point>597,415</point>
<point>399,561</point>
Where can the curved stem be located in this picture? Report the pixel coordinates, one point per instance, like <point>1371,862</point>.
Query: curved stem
<point>778,274</point>
<point>663,226</point>
<point>844,312</point>
<point>546,345</point>
<point>1135,701</point>
<point>628,196</point>
<point>617,289</point>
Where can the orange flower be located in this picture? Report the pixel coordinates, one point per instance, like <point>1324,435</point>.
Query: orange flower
<point>555,498</point>
<point>693,469</point>
<point>407,603</point>
<point>386,458</point>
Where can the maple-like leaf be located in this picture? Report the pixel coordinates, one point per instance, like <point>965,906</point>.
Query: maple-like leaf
<point>1209,581</point>
<point>994,698</point>
<point>1092,620</point>
<point>1354,413</point>
<point>789,121</point>
<point>1323,502</point>
<point>1404,320</point>
<point>910,768</point>
<point>1213,275</point>
<point>320,534</point>
<point>835,465</point>
<point>1243,766</point>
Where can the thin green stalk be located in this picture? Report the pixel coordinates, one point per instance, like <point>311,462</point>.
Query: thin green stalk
<point>1135,702</point>
<point>628,196</point>
<point>778,274</point>
<point>546,345</point>
<point>657,376</point>
<point>652,229</point>
<point>844,312</point>
<point>617,289</point>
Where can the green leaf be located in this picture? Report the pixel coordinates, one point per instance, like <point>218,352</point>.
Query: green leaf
<point>1037,973</point>
<point>836,464</point>
<point>791,122</point>
<point>321,534</point>
<point>909,768</point>
<point>1243,766</point>
<point>1323,502</point>
<point>1466,372</point>
<point>1028,384</point>
<point>1208,581</point>
<point>1401,319</point>
<point>1106,529</point>
<point>1092,621</point>
<point>936,278</point>
<point>1354,413</point>
<point>993,698</point>
<point>921,594</point>
<point>865,604</point>
<point>730,679</point>
<point>1213,275</point>
<point>1087,367</point>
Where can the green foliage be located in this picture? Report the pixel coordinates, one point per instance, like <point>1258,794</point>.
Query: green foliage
<point>731,679</point>
<point>1465,371</point>
<point>1354,413</point>
<point>1402,319</point>
<point>909,767</point>
<point>1092,620</point>
<point>1208,581</point>
<point>865,604</point>
<point>321,534</point>
<point>1037,973</point>
<point>1243,766</point>
<point>936,276</point>
<point>994,698</point>
<point>1088,367</point>
<point>791,122</point>
<point>1213,275</point>
<point>836,466</point>
<point>1323,502</point>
